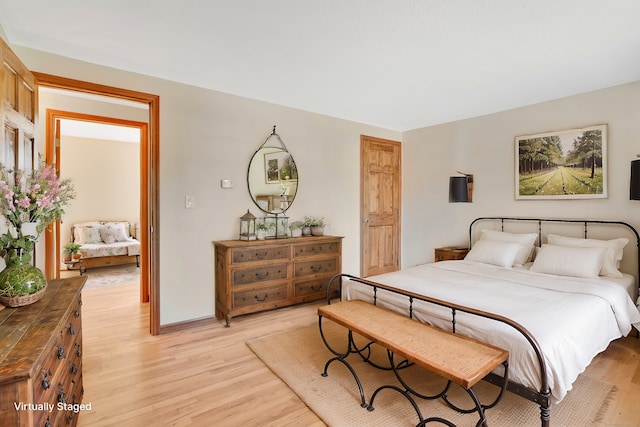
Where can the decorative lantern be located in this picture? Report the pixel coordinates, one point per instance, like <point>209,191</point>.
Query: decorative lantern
<point>248,226</point>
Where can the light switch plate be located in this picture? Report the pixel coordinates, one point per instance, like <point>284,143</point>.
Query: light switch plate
<point>188,202</point>
<point>226,183</point>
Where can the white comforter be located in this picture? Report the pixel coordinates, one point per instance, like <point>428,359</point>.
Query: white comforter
<point>572,319</point>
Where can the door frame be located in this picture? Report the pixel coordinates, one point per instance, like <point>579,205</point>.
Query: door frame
<point>52,116</point>
<point>149,184</point>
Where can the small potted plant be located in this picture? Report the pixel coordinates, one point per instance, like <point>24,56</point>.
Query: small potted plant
<point>316,225</point>
<point>70,251</point>
<point>261,230</point>
<point>296,228</point>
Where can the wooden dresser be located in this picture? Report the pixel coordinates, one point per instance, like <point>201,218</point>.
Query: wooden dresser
<point>260,275</point>
<point>41,358</point>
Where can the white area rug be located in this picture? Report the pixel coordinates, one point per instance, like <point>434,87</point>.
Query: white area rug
<point>105,276</point>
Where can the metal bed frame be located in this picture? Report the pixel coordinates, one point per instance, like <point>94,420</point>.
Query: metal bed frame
<point>542,396</point>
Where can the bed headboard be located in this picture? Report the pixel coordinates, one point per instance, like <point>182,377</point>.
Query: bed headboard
<point>584,228</point>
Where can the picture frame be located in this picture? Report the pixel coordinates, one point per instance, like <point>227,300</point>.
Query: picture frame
<point>568,164</point>
<point>278,167</point>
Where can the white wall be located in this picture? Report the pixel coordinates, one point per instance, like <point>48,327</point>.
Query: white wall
<point>206,136</point>
<point>106,176</point>
<point>485,147</point>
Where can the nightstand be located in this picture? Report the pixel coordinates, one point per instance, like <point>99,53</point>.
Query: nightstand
<point>450,253</point>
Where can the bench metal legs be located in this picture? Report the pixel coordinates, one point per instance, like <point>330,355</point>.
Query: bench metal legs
<point>406,390</point>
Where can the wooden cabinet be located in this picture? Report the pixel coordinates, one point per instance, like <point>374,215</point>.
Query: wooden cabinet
<point>41,358</point>
<point>444,254</point>
<point>18,111</point>
<point>260,275</point>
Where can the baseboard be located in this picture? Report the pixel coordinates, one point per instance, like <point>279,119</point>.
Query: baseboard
<point>188,324</point>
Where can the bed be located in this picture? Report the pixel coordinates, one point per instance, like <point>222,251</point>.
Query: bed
<point>567,319</point>
<point>106,243</point>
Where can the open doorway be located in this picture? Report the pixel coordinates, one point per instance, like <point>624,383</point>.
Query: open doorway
<point>101,155</point>
<point>149,178</point>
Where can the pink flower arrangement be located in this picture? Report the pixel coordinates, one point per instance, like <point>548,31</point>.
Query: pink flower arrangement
<point>40,197</point>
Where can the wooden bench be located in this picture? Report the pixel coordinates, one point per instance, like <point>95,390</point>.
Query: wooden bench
<point>461,360</point>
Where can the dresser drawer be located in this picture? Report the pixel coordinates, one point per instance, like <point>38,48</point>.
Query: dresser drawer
<point>327,266</point>
<point>316,288</point>
<point>245,276</point>
<point>259,253</point>
<point>256,296</point>
<point>312,249</point>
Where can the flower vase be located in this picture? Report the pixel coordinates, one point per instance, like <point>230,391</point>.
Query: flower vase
<point>21,284</point>
<point>29,229</point>
<point>317,231</point>
<point>306,231</point>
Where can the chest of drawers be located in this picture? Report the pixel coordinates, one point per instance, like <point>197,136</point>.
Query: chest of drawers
<point>41,358</point>
<point>253,276</point>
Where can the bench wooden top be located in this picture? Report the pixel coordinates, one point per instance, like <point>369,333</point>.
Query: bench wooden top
<point>460,359</point>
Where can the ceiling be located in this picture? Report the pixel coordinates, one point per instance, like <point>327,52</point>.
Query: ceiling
<point>397,64</point>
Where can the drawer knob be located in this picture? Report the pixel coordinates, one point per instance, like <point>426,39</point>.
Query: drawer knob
<point>60,352</point>
<point>45,381</point>
<point>74,368</point>
<point>261,255</point>
<point>47,423</point>
<point>72,330</point>
<point>262,299</point>
<point>76,314</point>
<point>316,268</point>
<point>78,350</point>
<point>62,396</point>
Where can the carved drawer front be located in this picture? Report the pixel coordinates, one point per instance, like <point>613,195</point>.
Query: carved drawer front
<point>264,273</point>
<point>312,249</point>
<point>321,266</point>
<point>316,287</point>
<point>259,253</point>
<point>260,296</point>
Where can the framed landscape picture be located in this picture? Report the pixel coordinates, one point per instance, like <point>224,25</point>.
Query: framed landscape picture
<point>569,164</point>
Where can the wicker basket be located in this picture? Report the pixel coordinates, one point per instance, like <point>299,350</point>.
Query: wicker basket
<point>21,300</point>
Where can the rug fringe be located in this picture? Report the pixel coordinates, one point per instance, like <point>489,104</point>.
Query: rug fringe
<point>605,405</point>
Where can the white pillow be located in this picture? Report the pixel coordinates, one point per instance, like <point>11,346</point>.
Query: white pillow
<point>614,250</point>
<point>123,224</point>
<point>492,252</point>
<point>569,261</point>
<point>85,235</point>
<point>113,233</point>
<point>525,240</point>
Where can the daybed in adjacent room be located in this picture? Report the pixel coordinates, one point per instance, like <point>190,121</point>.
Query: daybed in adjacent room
<point>106,243</point>
<point>570,284</point>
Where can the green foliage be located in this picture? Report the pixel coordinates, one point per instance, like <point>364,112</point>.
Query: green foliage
<point>21,280</point>
<point>71,248</point>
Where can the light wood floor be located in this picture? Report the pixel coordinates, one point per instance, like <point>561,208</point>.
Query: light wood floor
<point>207,376</point>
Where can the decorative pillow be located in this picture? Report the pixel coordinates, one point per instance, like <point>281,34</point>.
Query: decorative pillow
<point>120,224</point>
<point>525,240</point>
<point>614,250</point>
<point>85,235</point>
<point>493,252</point>
<point>569,261</point>
<point>113,233</point>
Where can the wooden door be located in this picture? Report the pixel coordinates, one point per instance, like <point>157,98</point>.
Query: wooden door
<point>380,193</point>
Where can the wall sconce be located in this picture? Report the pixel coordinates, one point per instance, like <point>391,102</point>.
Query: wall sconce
<point>248,226</point>
<point>461,188</point>
<point>634,185</point>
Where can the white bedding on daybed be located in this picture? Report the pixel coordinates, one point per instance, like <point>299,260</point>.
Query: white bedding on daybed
<point>93,250</point>
<point>573,319</point>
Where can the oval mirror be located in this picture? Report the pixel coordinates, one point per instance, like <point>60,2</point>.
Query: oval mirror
<point>272,178</point>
